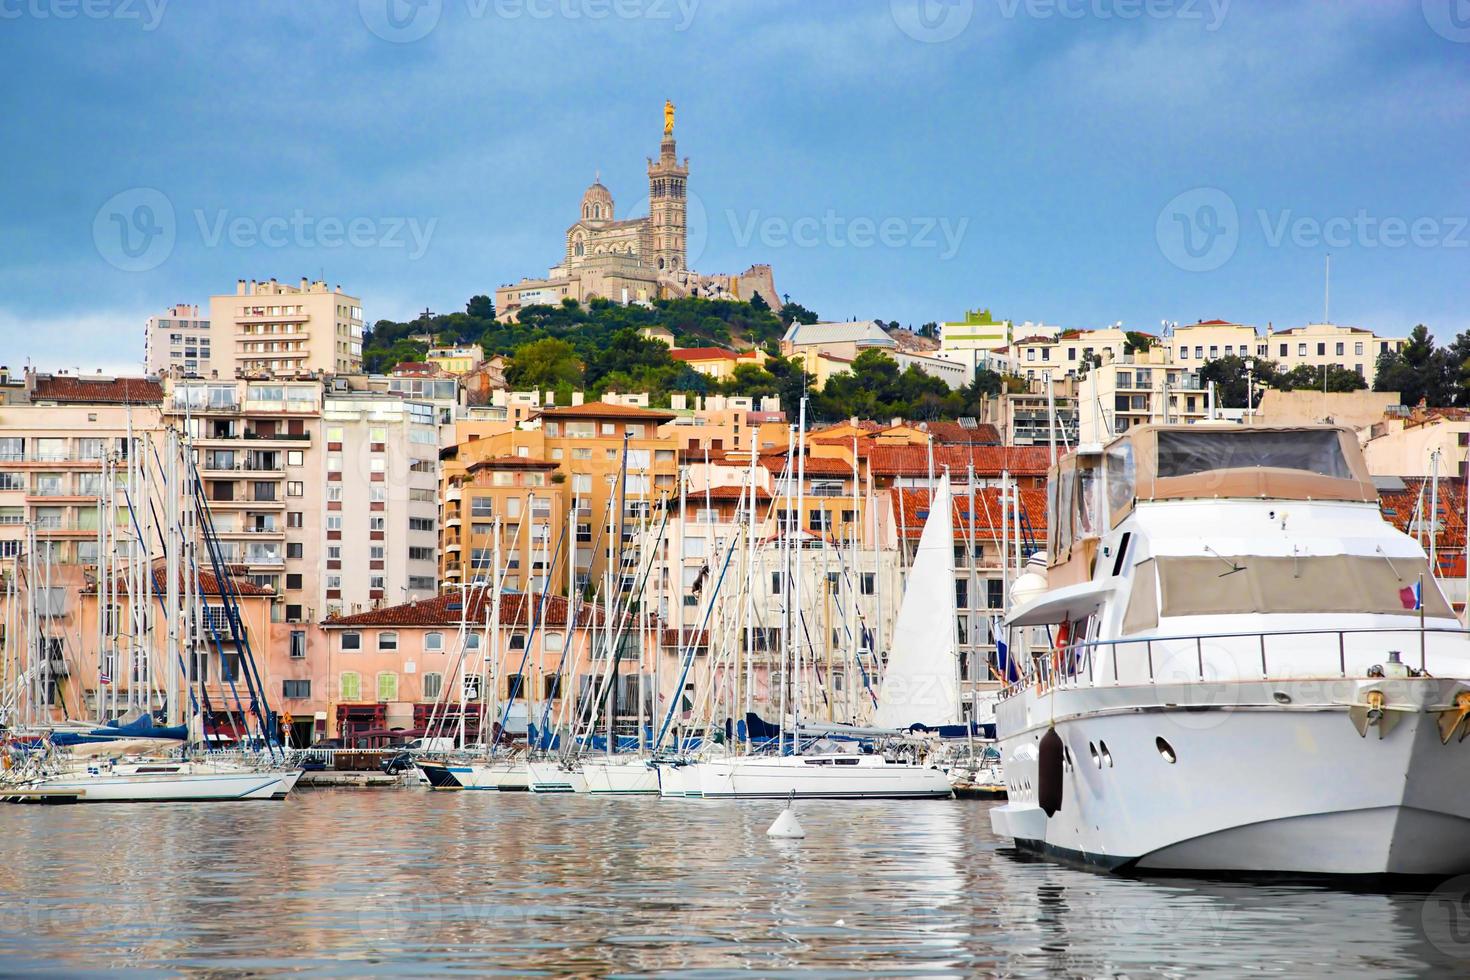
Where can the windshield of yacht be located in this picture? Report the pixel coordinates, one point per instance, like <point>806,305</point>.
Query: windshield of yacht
<point>1311,450</point>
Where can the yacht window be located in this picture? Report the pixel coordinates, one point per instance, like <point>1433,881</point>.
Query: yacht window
<point>1143,601</point>
<point>1209,586</point>
<point>1120,479</point>
<point>1087,481</point>
<point>1312,450</point>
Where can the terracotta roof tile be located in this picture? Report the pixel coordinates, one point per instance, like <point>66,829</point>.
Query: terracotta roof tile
<point>448,609</point>
<point>890,461</point>
<point>603,410</point>
<point>911,510</point>
<point>97,391</point>
<point>709,354</point>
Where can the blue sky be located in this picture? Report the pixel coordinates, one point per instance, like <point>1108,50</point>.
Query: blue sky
<point>1076,162</point>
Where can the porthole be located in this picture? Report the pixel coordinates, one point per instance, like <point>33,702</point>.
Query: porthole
<point>1282,697</point>
<point>1166,750</point>
<point>1096,759</point>
<point>1106,755</point>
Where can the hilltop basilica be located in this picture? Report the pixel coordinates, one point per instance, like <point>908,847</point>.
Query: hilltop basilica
<point>635,259</point>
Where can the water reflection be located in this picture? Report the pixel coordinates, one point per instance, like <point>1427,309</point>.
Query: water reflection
<point>350,883</point>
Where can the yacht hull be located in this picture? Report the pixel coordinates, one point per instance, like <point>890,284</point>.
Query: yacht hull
<point>555,777</point>
<point>825,777</point>
<point>1266,777</point>
<point>626,778</point>
<point>493,776</point>
<point>156,783</point>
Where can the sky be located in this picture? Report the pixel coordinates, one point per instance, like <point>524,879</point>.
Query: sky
<point>1071,162</point>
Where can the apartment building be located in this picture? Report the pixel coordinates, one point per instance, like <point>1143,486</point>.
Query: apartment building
<point>379,539</point>
<point>1317,345</point>
<point>456,360</point>
<point>524,501</point>
<point>1066,354</point>
<point>259,453</point>
<point>1192,344</point>
<point>1137,389</point>
<point>177,341</point>
<point>591,444</point>
<point>271,328</point>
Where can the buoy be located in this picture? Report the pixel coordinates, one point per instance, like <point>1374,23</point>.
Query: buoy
<point>786,824</point>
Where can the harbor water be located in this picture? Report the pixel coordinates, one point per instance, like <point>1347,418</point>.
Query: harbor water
<point>351,883</point>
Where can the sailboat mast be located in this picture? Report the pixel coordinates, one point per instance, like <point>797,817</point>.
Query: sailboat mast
<point>796,601</point>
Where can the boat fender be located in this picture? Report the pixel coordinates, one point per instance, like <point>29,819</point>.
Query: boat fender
<point>1049,772</point>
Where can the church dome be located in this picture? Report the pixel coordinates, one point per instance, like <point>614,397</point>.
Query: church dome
<point>597,203</point>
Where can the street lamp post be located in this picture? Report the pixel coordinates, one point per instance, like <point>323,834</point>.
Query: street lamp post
<point>1250,390</point>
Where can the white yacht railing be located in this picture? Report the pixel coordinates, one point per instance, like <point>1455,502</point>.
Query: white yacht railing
<point>1218,657</point>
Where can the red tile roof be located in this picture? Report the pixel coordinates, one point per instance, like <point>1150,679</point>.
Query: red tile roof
<point>1399,507</point>
<point>448,609</point>
<point>510,463</point>
<point>208,582</point>
<point>709,354</point>
<point>603,410</point>
<point>952,433</point>
<point>97,391</point>
<point>911,510</point>
<point>815,465</point>
<point>890,461</point>
<point>723,494</point>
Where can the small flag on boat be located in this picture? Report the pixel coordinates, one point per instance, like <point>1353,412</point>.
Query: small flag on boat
<point>1411,597</point>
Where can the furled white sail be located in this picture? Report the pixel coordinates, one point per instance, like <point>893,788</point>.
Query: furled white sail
<point>921,684</point>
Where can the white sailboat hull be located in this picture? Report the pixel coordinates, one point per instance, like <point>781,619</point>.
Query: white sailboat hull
<point>157,782</point>
<point>555,777</point>
<point>1256,785</point>
<point>504,775</point>
<point>820,777</point>
<point>682,781</point>
<point>626,778</point>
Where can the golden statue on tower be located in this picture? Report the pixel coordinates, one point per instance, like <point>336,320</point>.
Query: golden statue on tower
<point>668,118</point>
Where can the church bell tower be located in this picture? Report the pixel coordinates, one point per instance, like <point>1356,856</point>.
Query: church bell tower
<point>667,183</point>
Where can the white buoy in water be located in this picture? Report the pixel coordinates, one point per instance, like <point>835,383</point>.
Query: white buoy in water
<point>786,824</point>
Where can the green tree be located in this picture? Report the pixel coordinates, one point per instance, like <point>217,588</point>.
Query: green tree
<point>1229,375</point>
<point>480,307</point>
<point>1419,371</point>
<point>796,313</point>
<point>545,364</point>
<point>1137,342</point>
<point>1319,378</point>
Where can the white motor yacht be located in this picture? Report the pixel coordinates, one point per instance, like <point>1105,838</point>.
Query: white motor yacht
<point>1234,663</point>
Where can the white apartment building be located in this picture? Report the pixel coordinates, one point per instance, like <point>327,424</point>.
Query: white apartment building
<point>177,340</point>
<point>379,539</point>
<point>1066,354</point>
<point>270,328</point>
<point>1318,344</point>
<point>1137,389</point>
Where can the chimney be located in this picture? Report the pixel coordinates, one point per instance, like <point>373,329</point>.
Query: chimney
<point>303,284</point>
<point>239,287</point>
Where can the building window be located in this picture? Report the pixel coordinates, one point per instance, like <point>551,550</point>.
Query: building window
<point>387,685</point>
<point>387,640</point>
<point>298,644</point>
<point>293,612</point>
<point>294,488</point>
<point>294,549</point>
<point>433,642</point>
<point>293,580</point>
<point>433,684</point>
<point>869,583</point>
<point>351,642</point>
<point>299,690</point>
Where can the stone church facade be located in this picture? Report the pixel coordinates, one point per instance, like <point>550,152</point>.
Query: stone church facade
<point>634,260</point>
